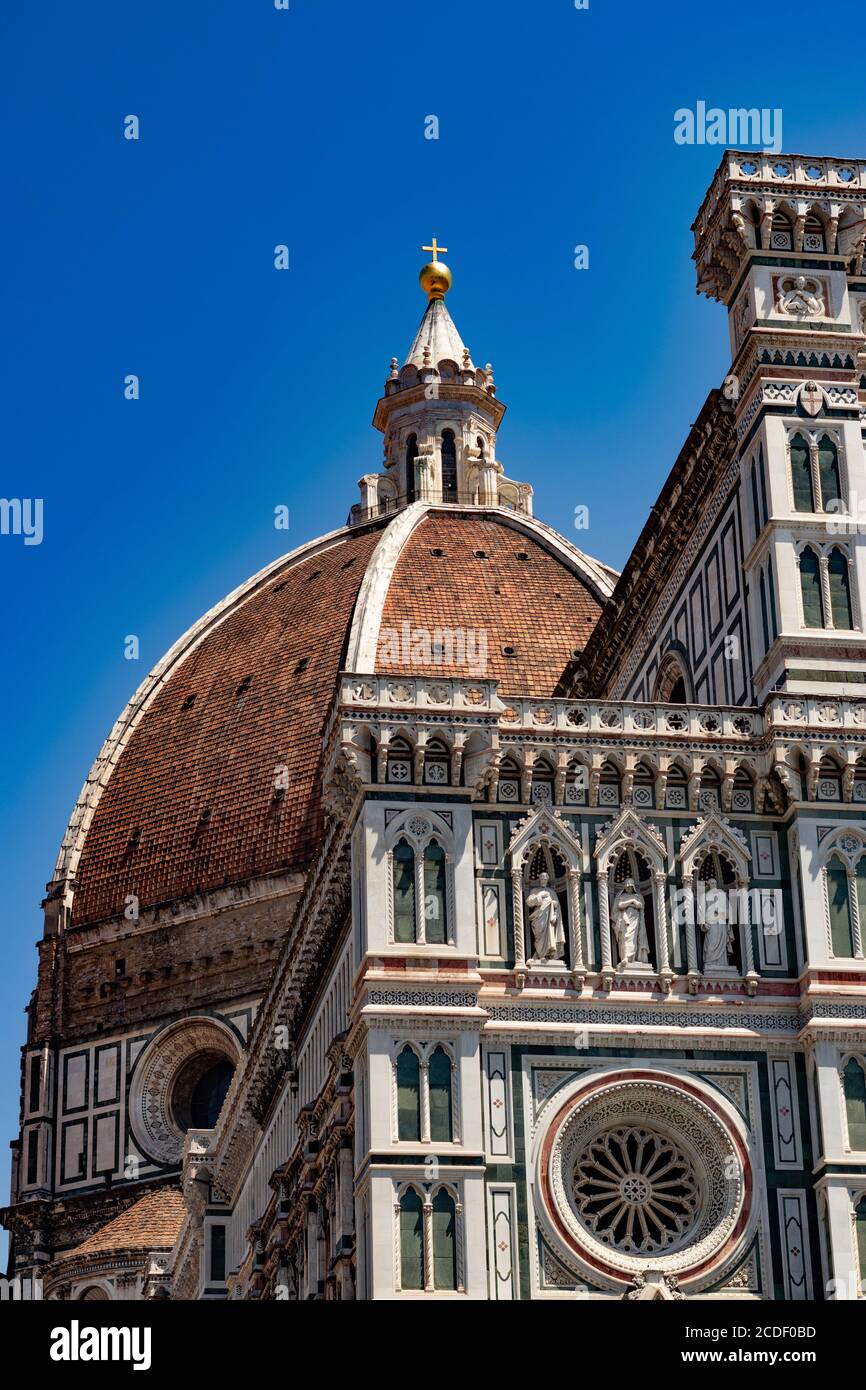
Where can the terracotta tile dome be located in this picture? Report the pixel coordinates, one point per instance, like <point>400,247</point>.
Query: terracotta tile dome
<point>183,797</point>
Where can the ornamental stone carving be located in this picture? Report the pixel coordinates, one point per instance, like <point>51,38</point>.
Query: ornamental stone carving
<point>644,1173</point>
<point>801,297</point>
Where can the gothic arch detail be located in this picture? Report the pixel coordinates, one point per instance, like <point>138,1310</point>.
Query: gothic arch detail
<point>545,830</point>
<point>714,837</point>
<point>673,683</point>
<point>629,834</point>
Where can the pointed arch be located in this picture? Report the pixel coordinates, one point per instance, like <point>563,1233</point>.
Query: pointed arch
<point>643,785</point>
<point>781,230</point>
<point>407,1079</point>
<point>714,850</point>
<point>829,473</point>
<point>544,833</point>
<point>437,763</point>
<point>410,1208</point>
<point>543,778</point>
<point>810,587</point>
<point>444,1237</point>
<point>801,473</point>
<point>399,761</point>
<point>714,832</point>
<point>814,238</point>
<point>419,849</point>
<point>838,575</point>
<point>449,466</point>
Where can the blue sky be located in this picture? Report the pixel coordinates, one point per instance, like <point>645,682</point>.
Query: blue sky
<point>306,127</point>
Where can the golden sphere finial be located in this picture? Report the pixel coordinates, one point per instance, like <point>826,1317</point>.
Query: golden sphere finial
<point>435,276</point>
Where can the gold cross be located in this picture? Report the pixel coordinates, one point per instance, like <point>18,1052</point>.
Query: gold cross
<point>435,249</point>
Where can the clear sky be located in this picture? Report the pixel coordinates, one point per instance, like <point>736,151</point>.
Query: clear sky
<point>306,127</point>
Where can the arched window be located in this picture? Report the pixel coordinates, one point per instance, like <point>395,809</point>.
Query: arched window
<point>829,779</point>
<point>840,589</point>
<point>801,475</point>
<point>411,455</point>
<point>435,924</point>
<point>854,1085</point>
<point>439,1079</point>
<point>436,764</point>
<point>743,795</point>
<point>198,1093</point>
<point>677,788</point>
<point>542,781</point>
<point>403,859</point>
<point>839,904</point>
<point>610,785</point>
<point>400,762</point>
<point>509,780</point>
<point>449,467</point>
<point>810,587</point>
<point>813,234</point>
<point>576,782</point>
<point>643,789</point>
<point>408,1095</point>
<point>671,686</point>
<point>444,1242</point>
<point>479,444</point>
<point>709,796</point>
<point>781,235</point>
<point>411,1240</point>
<point>828,472</point>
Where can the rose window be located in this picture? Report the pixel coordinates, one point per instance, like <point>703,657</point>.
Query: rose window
<point>635,1190</point>
<point>644,1171</point>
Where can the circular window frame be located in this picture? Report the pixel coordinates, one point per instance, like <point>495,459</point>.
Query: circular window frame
<point>698,1121</point>
<point>151,1111</point>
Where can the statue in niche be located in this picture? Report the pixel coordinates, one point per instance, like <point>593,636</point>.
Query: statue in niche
<point>801,297</point>
<point>629,926</point>
<point>545,920</point>
<point>717,929</point>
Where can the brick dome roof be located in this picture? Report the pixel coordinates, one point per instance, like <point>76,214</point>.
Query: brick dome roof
<point>151,1223</point>
<point>182,797</point>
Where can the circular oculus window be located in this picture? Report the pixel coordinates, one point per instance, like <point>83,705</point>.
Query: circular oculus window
<point>179,1083</point>
<point>644,1173</point>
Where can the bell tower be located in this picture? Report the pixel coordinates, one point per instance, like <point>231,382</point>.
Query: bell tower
<point>440,416</point>
<point>780,241</point>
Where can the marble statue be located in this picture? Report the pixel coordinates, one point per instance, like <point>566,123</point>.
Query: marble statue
<point>545,920</point>
<point>629,927</point>
<point>717,930</point>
